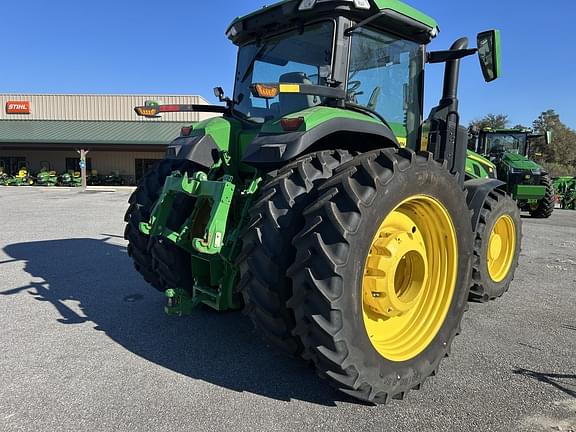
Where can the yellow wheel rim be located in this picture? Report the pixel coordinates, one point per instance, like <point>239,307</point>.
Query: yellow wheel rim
<point>501,248</point>
<point>409,278</point>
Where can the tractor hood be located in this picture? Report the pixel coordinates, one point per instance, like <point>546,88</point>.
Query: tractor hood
<point>516,161</point>
<point>392,15</point>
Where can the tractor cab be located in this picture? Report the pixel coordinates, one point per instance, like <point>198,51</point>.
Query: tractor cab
<point>496,142</point>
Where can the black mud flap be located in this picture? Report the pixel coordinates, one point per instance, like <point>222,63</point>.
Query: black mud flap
<point>478,190</point>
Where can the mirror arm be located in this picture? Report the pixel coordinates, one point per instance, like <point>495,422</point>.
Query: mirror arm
<point>447,55</point>
<point>452,73</point>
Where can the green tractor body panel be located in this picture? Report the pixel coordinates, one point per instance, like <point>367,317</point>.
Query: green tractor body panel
<point>316,116</point>
<point>528,192</point>
<point>478,167</point>
<point>519,162</point>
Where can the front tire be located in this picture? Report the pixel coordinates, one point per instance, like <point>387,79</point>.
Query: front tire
<point>382,273</point>
<point>159,263</point>
<point>546,205</point>
<point>497,247</point>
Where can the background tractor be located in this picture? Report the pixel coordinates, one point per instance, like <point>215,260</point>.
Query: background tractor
<point>565,188</point>
<point>526,181</point>
<point>321,202</point>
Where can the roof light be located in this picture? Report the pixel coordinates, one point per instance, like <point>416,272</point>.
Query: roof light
<point>362,4</point>
<point>307,5</point>
<point>233,31</point>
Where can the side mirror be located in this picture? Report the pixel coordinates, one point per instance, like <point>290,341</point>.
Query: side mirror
<point>219,93</point>
<point>489,54</point>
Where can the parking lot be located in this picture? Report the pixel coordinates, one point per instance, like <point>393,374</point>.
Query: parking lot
<point>85,345</point>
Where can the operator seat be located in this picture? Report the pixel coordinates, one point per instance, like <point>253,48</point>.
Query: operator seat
<point>289,103</point>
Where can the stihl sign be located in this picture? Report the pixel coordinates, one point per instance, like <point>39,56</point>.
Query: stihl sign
<point>18,107</point>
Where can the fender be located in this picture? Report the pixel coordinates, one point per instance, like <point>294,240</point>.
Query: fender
<point>478,190</point>
<point>200,149</point>
<point>270,151</point>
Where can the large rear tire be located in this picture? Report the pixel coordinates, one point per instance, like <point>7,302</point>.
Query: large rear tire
<point>382,273</point>
<point>160,263</point>
<point>497,247</point>
<point>267,246</point>
<point>546,205</point>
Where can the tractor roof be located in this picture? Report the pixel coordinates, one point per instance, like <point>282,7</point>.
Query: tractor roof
<point>393,15</point>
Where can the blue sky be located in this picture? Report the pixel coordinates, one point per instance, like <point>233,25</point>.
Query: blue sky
<point>179,47</point>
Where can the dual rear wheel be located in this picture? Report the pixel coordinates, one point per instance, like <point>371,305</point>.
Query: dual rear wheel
<point>374,258</point>
<point>360,263</point>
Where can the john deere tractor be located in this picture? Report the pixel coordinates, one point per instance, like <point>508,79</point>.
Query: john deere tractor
<point>526,181</point>
<point>321,202</point>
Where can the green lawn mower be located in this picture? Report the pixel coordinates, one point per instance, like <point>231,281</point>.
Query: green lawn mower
<point>529,184</point>
<point>4,177</point>
<point>46,176</point>
<point>22,178</point>
<point>322,203</point>
<point>565,188</point>
<point>70,179</point>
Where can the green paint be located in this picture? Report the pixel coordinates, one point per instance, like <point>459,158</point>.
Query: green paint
<point>409,11</point>
<point>498,49</point>
<point>316,116</point>
<point>180,303</point>
<point>222,130</point>
<point>528,192</point>
<point>479,167</point>
<point>219,193</point>
<point>516,161</point>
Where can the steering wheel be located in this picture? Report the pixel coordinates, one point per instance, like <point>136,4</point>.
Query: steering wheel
<point>373,103</point>
<point>353,86</point>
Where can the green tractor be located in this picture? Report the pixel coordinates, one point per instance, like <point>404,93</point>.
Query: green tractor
<point>526,181</point>
<point>311,204</point>
<point>565,188</point>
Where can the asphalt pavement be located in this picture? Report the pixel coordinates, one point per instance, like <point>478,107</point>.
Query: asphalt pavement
<point>85,345</point>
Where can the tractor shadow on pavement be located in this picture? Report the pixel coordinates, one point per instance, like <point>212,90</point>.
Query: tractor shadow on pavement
<point>219,348</point>
<point>563,382</point>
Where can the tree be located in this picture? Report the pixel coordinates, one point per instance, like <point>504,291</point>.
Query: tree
<point>562,150</point>
<point>492,121</point>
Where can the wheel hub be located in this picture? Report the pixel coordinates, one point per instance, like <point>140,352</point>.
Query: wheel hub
<point>501,248</point>
<point>396,270</point>
<point>409,278</point>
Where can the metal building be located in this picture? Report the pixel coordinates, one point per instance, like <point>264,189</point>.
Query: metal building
<point>47,131</point>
